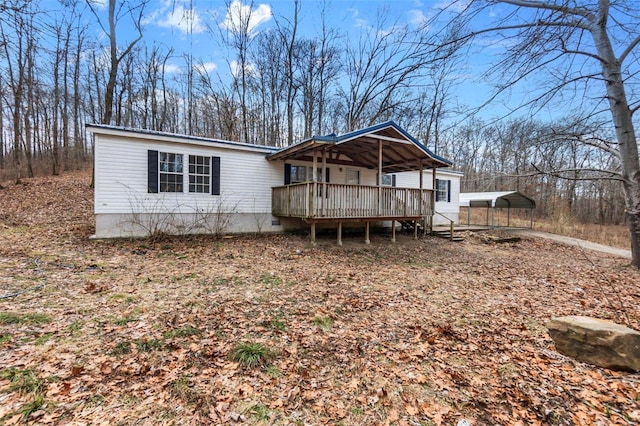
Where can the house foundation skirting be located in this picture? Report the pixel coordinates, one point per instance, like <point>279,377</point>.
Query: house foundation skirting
<point>125,225</point>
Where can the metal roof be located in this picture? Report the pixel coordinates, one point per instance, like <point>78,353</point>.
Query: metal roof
<point>107,129</point>
<point>504,199</point>
<point>401,151</point>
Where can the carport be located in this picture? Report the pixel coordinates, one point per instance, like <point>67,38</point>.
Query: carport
<point>497,200</point>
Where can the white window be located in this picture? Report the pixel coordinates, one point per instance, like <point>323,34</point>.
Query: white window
<point>298,174</point>
<point>388,180</point>
<point>171,172</point>
<point>301,174</point>
<point>199,173</point>
<point>353,177</point>
<point>443,190</point>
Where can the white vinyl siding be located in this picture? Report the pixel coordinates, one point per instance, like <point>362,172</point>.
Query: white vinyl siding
<point>245,182</point>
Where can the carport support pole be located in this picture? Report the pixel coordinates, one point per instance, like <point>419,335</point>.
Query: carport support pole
<point>366,233</point>
<point>531,218</point>
<point>340,234</point>
<point>393,231</point>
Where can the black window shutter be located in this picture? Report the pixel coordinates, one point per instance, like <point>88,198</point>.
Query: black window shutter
<point>327,175</point>
<point>215,175</point>
<point>393,180</point>
<point>287,174</point>
<point>448,191</point>
<point>152,171</point>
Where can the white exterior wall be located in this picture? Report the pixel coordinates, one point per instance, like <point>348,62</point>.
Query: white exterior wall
<point>123,207</point>
<point>450,209</point>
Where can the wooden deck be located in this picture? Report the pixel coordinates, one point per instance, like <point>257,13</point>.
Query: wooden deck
<point>316,202</point>
<point>330,202</point>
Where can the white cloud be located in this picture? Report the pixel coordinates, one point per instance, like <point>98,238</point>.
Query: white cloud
<point>235,68</point>
<point>100,4</point>
<point>241,15</point>
<point>417,17</point>
<point>205,67</point>
<point>456,6</point>
<point>171,68</point>
<point>186,20</point>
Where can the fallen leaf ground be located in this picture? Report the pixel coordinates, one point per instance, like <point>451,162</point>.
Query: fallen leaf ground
<point>423,332</point>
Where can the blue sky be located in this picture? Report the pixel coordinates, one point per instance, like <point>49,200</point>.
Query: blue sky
<point>196,27</point>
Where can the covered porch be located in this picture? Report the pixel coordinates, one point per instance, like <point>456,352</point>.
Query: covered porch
<point>385,149</point>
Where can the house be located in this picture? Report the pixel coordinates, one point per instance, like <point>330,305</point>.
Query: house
<point>148,182</point>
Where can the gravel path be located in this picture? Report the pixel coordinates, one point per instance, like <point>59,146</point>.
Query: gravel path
<point>576,242</point>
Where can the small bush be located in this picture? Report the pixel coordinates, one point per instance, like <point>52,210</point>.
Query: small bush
<point>251,355</point>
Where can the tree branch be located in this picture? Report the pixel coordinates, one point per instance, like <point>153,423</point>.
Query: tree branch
<point>628,49</point>
<point>613,175</point>
<point>549,6</point>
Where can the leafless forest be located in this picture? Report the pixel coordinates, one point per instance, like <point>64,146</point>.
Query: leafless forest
<point>58,73</point>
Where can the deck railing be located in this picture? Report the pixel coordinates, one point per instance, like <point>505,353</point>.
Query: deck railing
<point>307,200</point>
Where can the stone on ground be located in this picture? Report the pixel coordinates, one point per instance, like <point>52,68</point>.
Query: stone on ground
<point>595,341</point>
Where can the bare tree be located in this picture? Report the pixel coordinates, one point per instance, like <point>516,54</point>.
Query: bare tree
<point>116,13</point>
<point>573,45</point>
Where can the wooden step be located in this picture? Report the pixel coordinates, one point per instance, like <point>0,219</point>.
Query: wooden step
<point>447,235</point>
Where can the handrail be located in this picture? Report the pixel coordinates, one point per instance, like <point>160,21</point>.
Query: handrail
<point>311,200</point>
<point>451,221</point>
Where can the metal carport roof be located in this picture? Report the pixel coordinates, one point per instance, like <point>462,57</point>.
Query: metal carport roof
<point>504,199</point>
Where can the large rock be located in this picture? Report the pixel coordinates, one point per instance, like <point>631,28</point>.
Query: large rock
<point>598,342</point>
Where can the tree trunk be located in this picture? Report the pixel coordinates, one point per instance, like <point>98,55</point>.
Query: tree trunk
<point>625,132</point>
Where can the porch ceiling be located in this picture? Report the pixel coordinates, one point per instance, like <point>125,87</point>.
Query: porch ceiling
<point>400,152</point>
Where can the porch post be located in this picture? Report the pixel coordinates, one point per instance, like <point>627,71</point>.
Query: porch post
<point>393,231</point>
<point>379,177</point>
<point>366,233</point>
<point>433,197</point>
<point>314,186</point>
<point>421,187</point>
<point>324,181</point>
<point>421,211</point>
<point>340,234</point>
<point>313,233</point>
